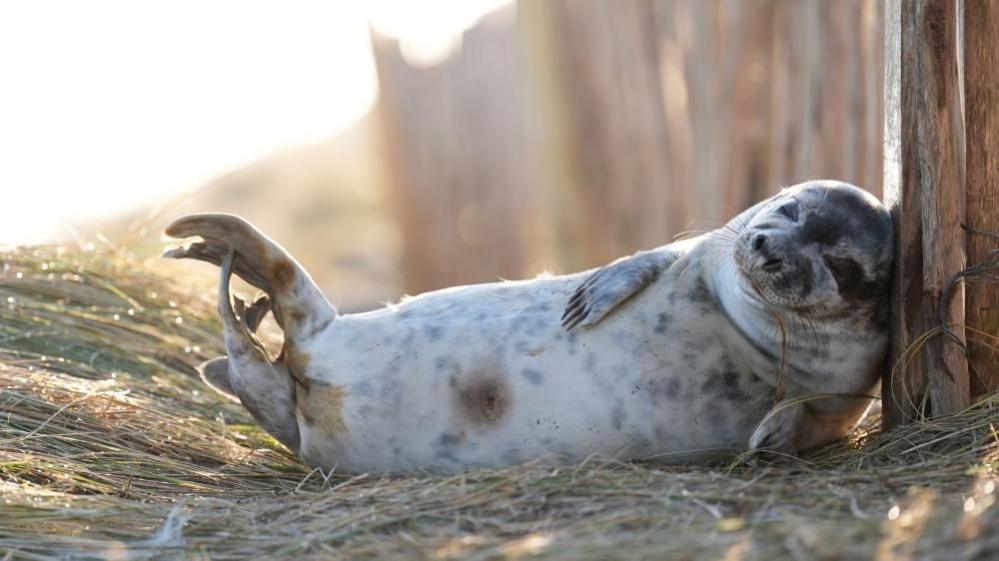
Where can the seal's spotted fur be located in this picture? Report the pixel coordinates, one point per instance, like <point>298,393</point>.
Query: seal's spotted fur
<point>672,353</point>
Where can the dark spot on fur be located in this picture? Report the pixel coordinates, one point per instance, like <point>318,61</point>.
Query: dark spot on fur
<point>407,340</point>
<point>433,332</point>
<point>662,323</point>
<point>700,294</point>
<point>724,384</point>
<point>483,398</point>
<point>853,284</point>
<point>824,227</point>
<point>660,388</point>
<point>450,439</point>
<point>618,415</point>
<point>533,376</point>
<point>362,389</point>
<point>673,389</point>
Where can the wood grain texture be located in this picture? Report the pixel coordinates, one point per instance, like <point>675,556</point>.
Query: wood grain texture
<point>981,92</point>
<point>904,382</point>
<point>680,113</point>
<point>924,147</point>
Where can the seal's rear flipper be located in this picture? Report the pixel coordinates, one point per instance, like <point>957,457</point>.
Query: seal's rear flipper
<point>299,306</point>
<point>253,314</point>
<point>266,388</point>
<point>215,373</point>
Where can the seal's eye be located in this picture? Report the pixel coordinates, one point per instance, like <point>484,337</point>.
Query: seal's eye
<point>790,210</point>
<point>846,271</point>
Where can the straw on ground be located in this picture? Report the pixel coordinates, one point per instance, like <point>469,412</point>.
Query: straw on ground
<point>112,448</point>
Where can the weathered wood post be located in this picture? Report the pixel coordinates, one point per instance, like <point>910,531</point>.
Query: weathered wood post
<point>935,188</point>
<point>981,113</point>
<point>924,187</point>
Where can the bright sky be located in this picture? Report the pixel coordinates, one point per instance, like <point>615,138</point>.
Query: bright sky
<point>108,104</point>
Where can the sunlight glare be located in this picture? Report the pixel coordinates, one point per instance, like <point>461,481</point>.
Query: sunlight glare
<point>110,104</point>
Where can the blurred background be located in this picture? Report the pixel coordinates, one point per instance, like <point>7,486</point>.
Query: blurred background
<point>396,146</point>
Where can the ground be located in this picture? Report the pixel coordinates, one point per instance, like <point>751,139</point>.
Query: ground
<point>112,448</point>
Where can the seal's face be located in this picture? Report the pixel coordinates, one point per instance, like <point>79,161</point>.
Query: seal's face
<point>821,247</point>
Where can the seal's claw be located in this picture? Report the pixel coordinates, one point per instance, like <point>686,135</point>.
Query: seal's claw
<point>577,316</point>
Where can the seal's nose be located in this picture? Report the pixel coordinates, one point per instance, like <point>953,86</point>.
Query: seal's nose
<point>759,242</point>
<point>772,264</point>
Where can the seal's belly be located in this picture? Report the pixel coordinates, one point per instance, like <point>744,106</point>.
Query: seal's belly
<point>495,382</point>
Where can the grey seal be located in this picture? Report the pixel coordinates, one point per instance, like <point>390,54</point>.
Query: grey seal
<point>702,347</point>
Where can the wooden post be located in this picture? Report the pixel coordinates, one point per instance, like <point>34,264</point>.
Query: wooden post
<point>981,94</point>
<point>924,185</point>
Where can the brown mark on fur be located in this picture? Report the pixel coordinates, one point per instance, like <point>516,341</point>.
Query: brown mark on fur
<point>483,398</point>
<point>282,275</point>
<point>321,407</point>
<point>297,363</point>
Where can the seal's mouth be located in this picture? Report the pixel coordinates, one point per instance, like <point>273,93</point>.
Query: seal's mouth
<point>772,265</point>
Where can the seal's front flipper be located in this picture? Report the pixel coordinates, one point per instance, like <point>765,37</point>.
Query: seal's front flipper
<point>778,430</point>
<point>266,388</point>
<point>612,284</point>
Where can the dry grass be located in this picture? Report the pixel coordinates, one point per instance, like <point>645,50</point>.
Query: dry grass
<point>111,448</point>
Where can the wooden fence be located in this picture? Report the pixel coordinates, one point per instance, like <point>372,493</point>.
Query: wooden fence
<point>942,180</point>
<point>568,132</point>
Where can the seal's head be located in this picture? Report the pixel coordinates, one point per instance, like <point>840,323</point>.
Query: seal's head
<point>822,247</point>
